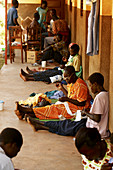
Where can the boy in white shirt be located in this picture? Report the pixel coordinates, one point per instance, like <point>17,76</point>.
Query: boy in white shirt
<point>10,143</point>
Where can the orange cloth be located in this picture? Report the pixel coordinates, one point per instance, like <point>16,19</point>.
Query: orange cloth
<point>78,91</point>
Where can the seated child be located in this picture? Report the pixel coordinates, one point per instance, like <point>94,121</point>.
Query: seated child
<point>46,76</point>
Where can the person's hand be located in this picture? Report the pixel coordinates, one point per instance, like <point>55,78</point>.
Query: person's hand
<point>83,112</point>
<point>62,66</point>
<point>63,99</point>
<point>107,166</point>
<point>64,59</point>
<point>59,86</point>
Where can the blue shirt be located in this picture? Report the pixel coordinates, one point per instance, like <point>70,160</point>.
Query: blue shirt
<point>42,13</point>
<point>12,14</point>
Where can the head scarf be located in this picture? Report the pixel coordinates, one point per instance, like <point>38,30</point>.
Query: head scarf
<point>71,44</point>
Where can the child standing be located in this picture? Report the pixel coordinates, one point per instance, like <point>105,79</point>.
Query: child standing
<point>42,12</point>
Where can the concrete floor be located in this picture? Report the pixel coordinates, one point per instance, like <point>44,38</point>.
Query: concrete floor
<point>41,150</point>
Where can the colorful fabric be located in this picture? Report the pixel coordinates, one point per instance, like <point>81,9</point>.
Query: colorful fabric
<point>100,106</point>
<point>89,165</point>
<point>59,25</point>
<point>77,91</point>
<point>60,47</point>
<point>35,99</point>
<point>42,13</point>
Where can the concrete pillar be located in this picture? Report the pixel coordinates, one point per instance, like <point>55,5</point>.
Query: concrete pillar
<point>68,13</point>
<point>81,35</point>
<point>74,20</point>
<point>105,38</point>
<point>111,79</point>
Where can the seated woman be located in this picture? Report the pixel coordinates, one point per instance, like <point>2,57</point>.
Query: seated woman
<point>77,98</point>
<point>45,76</point>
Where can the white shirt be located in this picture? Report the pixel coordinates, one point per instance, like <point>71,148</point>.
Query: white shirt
<point>100,106</point>
<point>5,161</point>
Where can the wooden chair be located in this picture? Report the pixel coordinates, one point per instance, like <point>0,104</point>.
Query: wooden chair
<point>15,33</point>
<point>34,38</point>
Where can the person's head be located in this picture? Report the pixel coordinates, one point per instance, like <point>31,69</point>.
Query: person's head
<point>36,16</point>
<point>95,81</point>
<point>73,49</point>
<point>52,12</point>
<point>58,38</point>
<point>88,142</point>
<point>69,74</point>
<point>11,141</point>
<point>44,4</point>
<point>15,3</point>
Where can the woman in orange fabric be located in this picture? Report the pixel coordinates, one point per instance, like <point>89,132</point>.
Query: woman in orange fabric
<point>77,98</point>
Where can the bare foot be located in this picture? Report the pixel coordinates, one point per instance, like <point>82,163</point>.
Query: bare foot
<point>34,120</point>
<point>23,77</point>
<point>23,73</point>
<point>17,103</point>
<point>33,124</point>
<point>29,71</point>
<point>19,115</point>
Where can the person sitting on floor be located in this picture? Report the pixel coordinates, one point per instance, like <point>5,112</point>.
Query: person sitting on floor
<point>77,98</point>
<point>97,116</point>
<point>10,144</point>
<point>95,151</point>
<point>35,22</point>
<point>48,75</point>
